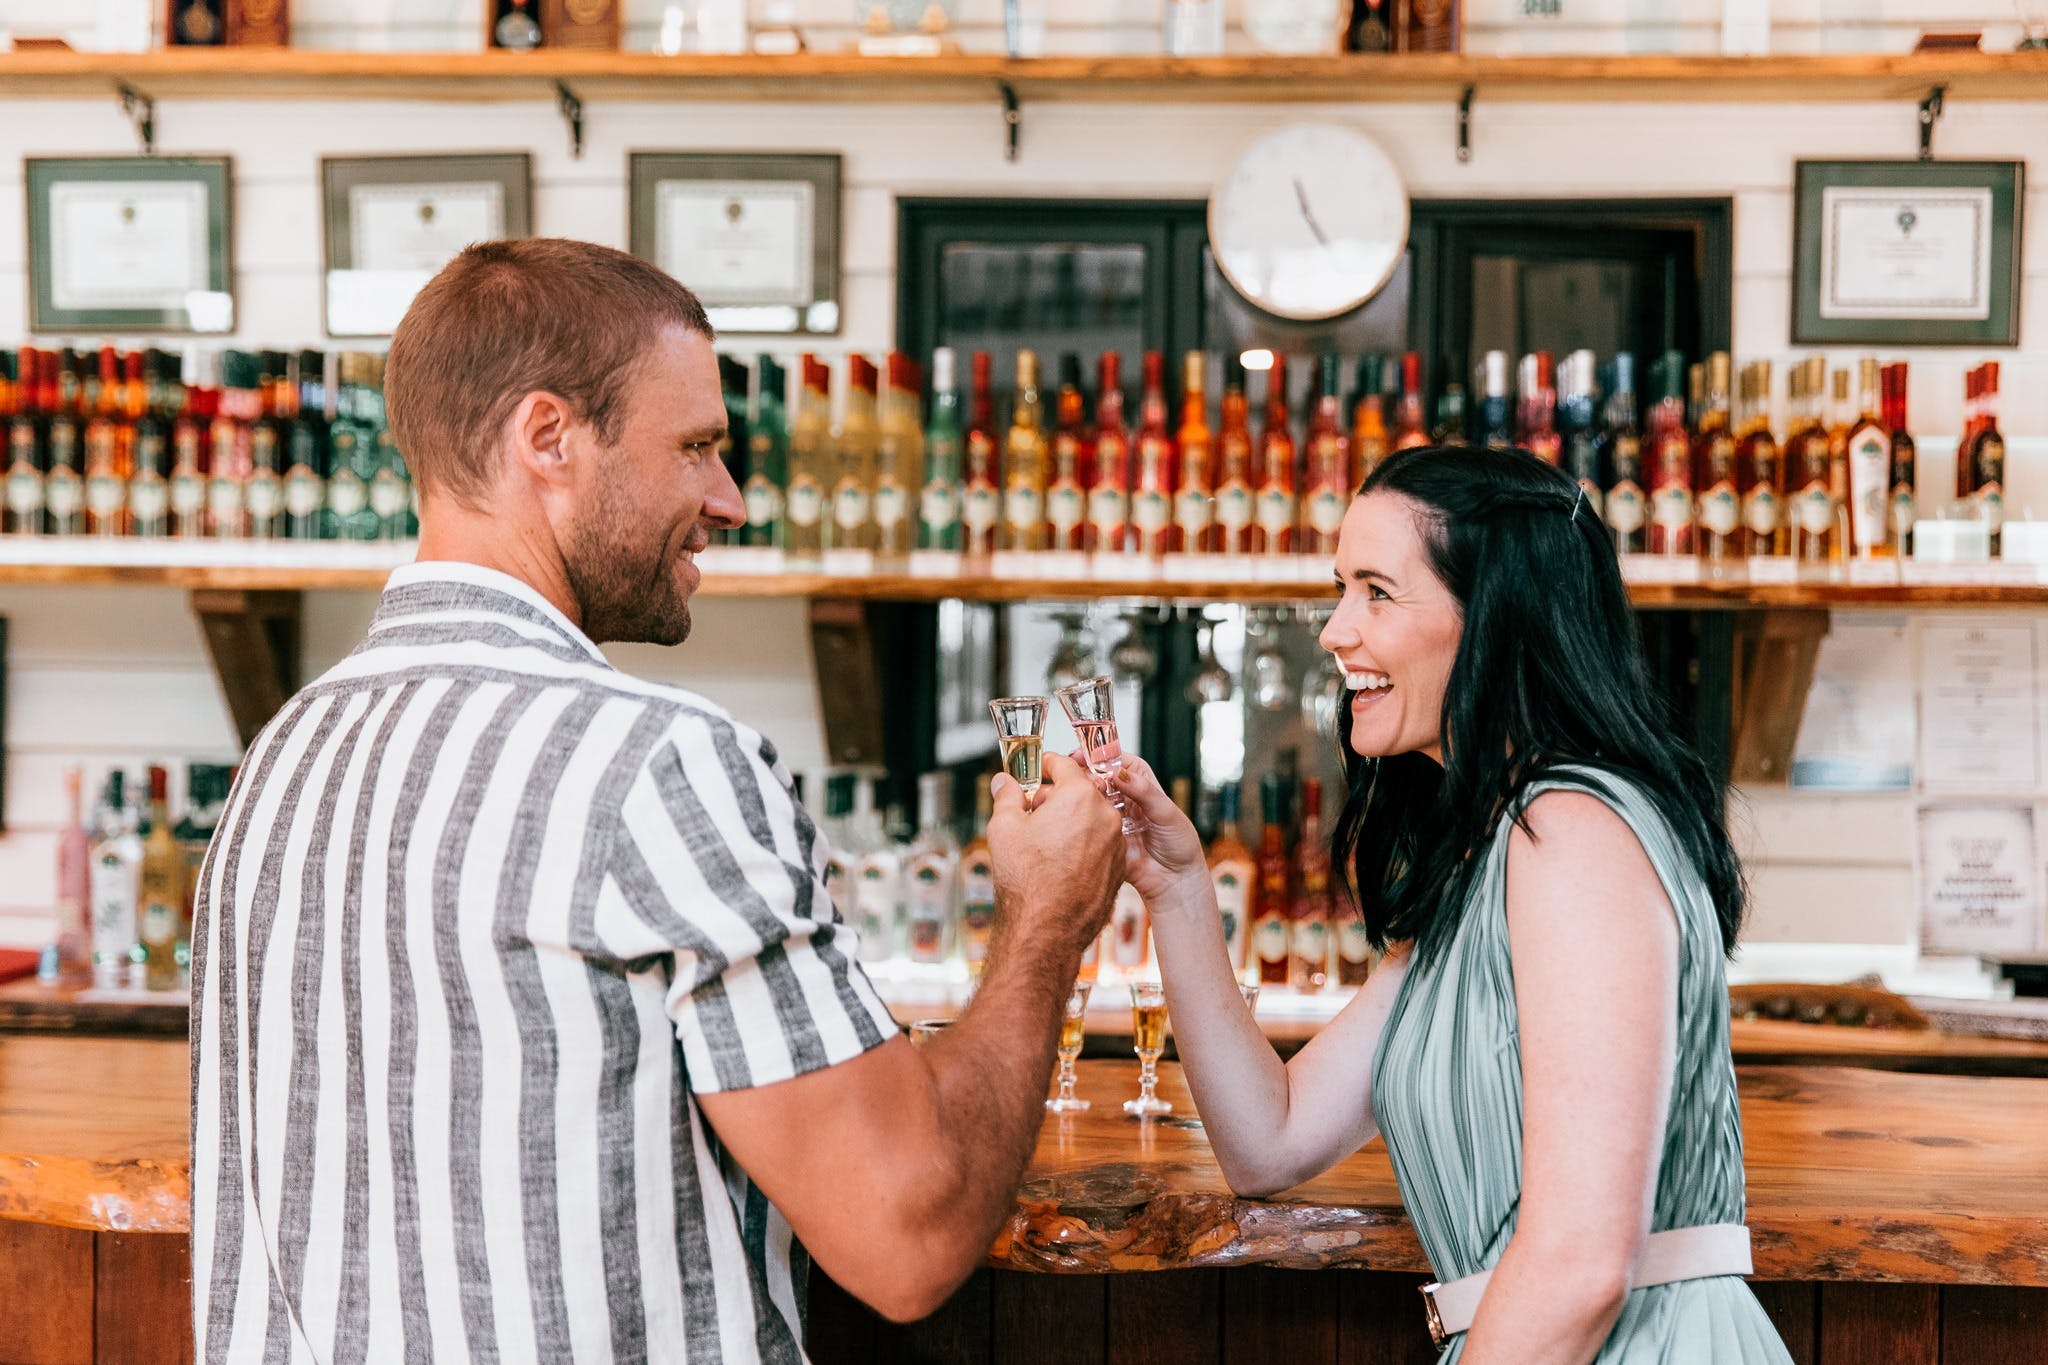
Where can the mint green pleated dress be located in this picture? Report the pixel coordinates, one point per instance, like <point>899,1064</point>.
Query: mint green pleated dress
<point>1447,1090</point>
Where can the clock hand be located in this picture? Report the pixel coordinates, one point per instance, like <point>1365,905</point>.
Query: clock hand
<point>1308,214</point>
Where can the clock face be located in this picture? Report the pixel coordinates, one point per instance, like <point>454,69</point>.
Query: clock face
<point>1310,223</point>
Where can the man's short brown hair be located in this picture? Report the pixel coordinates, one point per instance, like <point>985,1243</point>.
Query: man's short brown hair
<point>504,319</point>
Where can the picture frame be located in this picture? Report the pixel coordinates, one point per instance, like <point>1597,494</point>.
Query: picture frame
<point>755,235</point>
<point>391,222</point>
<point>1907,253</point>
<point>131,244</point>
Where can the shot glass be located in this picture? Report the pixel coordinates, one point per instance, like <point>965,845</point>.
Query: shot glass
<point>1020,732</point>
<point>1091,709</point>
<point>1073,1029</point>
<point>1148,1040</point>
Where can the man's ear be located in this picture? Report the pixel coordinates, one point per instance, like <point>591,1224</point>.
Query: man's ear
<point>539,426</point>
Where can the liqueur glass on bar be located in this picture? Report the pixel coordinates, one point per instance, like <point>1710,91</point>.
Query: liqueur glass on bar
<point>1091,709</point>
<point>1073,1028</point>
<point>1250,991</point>
<point>1148,1040</point>
<point>1020,731</point>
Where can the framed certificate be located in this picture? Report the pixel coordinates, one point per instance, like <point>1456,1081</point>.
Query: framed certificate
<point>756,237</point>
<point>130,244</point>
<point>393,221</point>
<point>1908,253</point>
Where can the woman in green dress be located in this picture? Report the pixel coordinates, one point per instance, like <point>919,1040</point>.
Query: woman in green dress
<point>1545,1044</point>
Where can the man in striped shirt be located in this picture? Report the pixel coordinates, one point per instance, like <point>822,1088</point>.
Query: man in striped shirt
<point>522,1025</point>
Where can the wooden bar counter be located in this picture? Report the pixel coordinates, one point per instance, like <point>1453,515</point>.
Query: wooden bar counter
<point>1899,1218</point>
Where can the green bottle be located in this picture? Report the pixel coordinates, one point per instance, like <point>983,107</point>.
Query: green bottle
<point>938,506</point>
<point>767,457</point>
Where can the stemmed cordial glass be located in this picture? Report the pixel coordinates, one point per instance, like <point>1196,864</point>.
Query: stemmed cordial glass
<point>1073,1029</point>
<point>1073,658</point>
<point>1020,733</point>
<point>1091,709</point>
<point>1148,1040</point>
<point>1250,991</point>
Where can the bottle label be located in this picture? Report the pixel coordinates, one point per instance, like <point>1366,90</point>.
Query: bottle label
<point>850,506</point>
<point>931,905</point>
<point>24,490</point>
<point>1270,939</point>
<point>892,504</point>
<point>64,492</point>
<point>1234,507</point>
<point>150,499</point>
<point>874,900</point>
<point>263,448</point>
<point>764,501</point>
<point>1276,510</point>
<point>224,500</point>
<point>188,495</point>
<point>1720,510</point>
<point>1311,940</point>
<point>1151,511</point>
<point>1326,511</point>
<point>1107,510</point>
<point>1870,466</point>
<point>1128,942</point>
<point>1233,896</point>
<point>977,909</point>
<point>1761,512</point>
<point>1065,507</point>
<point>105,494</point>
<point>1193,511</point>
<point>346,496</point>
<point>1671,508</point>
<point>1024,510</point>
<point>1625,508</point>
<point>806,501</point>
<point>980,508</point>
<point>1814,509</point>
<point>938,507</point>
<point>1991,499</point>
<point>1903,510</point>
<point>1596,502</point>
<point>158,924</point>
<point>387,494</point>
<point>265,494</point>
<point>304,494</point>
<point>1353,944</point>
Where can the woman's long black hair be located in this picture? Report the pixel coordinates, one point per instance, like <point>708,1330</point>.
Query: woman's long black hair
<point>1549,674</point>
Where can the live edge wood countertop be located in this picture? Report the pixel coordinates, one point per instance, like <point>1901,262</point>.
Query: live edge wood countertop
<point>1853,1174</point>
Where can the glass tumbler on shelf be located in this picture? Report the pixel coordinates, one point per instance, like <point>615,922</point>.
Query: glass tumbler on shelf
<point>1020,733</point>
<point>1091,710</point>
<point>1148,1040</point>
<point>1073,1029</point>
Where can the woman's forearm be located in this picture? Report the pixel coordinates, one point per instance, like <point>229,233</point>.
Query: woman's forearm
<point>1546,1307</point>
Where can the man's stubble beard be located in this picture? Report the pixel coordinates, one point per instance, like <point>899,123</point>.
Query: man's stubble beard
<point>626,588</point>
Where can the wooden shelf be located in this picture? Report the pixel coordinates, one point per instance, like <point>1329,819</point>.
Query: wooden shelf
<point>258,74</point>
<point>297,566</point>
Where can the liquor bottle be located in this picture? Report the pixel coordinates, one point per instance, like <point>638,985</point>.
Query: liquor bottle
<point>191,459</point>
<point>160,904</point>
<point>106,473</point>
<point>1450,416</point>
<point>1626,505</point>
<point>899,458</point>
<point>1902,503</point>
<point>981,498</point>
<point>1578,425</point>
<point>852,522</point>
<point>1368,30</point>
<point>1353,957</point>
<point>878,881</point>
<point>1984,457</point>
<point>227,510</point>
<point>1668,453</point>
<point>1154,480</point>
<point>1715,476</point>
<point>767,456</point>
<point>938,504</point>
<point>840,853</point>
<point>1973,389</point>
<point>1760,468</point>
<point>149,489</point>
<point>734,448</point>
<point>1025,460</point>
<point>1109,497</point>
<point>1496,405</point>
<point>26,453</point>
<point>977,888</point>
<point>74,884</point>
<point>1194,505</point>
<point>1870,471</point>
<point>391,491</point>
<point>810,442</point>
<point>115,885</point>
<point>1840,414</point>
<point>1808,472</point>
<point>1326,483</point>
<point>1428,25</point>
<point>1278,507</point>
<point>1128,937</point>
<point>1309,933</point>
<point>1368,419</point>
<point>269,434</point>
<point>1236,494</point>
<point>515,24</point>
<point>1271,936</point>
<point>1066,499</point>
<point>931,873</point>
<point>63,478</point>
<point>206,797</point>
<point>1536,430</point>
<point>307,450</point>
<point>1233,874</point>
<point>1411,429</point>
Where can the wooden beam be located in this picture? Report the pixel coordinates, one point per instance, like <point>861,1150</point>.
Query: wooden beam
<point>1775,654</point>
<point>253,638</point>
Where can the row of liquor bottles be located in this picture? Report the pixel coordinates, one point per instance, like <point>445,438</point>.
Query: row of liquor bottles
<point>125,883</point>
<point>925,900</point>
<point>237,444</point>
<point>1698,462</point>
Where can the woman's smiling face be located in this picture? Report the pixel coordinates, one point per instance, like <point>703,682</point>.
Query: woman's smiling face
<point>1395,632</point>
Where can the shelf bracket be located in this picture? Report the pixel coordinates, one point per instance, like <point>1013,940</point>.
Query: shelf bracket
<point>253,638</point>
<point>1465,123</point>
<point>1013,120</point>
<point>1931,110</point>
<point>572,114</point>
<point>140,110</point>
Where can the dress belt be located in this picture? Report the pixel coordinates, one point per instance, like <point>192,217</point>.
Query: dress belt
<point>1681,1254</point>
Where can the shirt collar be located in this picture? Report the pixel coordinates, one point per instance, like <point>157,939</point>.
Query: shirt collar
<point>445,587</point>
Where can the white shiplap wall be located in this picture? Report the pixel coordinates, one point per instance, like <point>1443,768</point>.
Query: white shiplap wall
<point>113,675</point>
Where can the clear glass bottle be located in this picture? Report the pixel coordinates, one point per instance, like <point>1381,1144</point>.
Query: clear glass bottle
<point>116,884</point>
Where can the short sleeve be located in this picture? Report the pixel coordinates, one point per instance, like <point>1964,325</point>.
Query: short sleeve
<point>716,864</point>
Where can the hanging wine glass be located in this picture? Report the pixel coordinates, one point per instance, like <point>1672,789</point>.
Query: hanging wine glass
<point>1270,687</point>
<point>1132,658</point>
<point>1073,658</point>
<point>1211,682</point>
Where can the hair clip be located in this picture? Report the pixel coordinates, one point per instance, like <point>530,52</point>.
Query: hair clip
<point>1577,503</point>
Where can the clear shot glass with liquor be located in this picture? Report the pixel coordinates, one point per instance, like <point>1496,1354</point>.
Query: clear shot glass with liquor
<point>1148,1040</point>
<point>1091,709</point>
<point>1020,732</point>
<point>1073,1029</point>
<point>1250,991</point>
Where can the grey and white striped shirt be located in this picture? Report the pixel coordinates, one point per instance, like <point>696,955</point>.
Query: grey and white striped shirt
<point>482,919</point>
